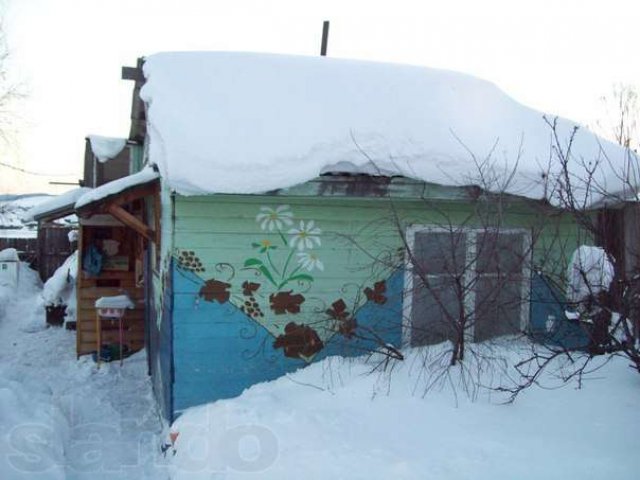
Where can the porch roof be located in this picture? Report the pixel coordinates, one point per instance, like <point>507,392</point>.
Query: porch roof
<point>58,207</point>
<point>108,191</point>
<point>111,197</point>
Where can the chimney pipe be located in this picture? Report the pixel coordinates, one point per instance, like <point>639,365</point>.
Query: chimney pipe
<point>325,38</point>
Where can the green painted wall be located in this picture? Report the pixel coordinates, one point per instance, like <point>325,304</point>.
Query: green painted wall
<point>360,238</point>
<point>240,274</point>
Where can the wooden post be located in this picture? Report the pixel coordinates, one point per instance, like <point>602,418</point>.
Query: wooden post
<point>98,337</point>
<point>325,38</point>
<point>79,287</point>
<point>131,221</point>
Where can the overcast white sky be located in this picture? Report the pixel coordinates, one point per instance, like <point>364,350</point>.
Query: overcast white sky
<point>557,56</point>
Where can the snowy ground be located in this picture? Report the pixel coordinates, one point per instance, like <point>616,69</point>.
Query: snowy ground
<point>333,420</point>
<point>61,418</point>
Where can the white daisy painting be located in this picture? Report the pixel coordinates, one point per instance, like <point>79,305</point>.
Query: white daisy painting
<point>306,236</point>
<point>274,218</point>
<point>310,261</point>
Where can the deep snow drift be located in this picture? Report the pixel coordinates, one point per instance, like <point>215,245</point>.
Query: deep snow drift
<point>333,420</point>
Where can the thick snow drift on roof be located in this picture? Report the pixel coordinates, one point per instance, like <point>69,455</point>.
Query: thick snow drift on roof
<point>106,148</point>
<point>67,199</point>
<point>249,123</point>
<point>113,188</point>
<point>345,419</point>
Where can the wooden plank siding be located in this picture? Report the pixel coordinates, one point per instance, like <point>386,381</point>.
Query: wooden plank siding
<point>219,349</point>
<point>88,293</point>
<point>108,283</point>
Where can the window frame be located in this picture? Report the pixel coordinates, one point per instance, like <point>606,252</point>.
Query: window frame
<point>469,302</point>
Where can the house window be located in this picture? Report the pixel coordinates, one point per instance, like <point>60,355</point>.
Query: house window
<point>475,280</point>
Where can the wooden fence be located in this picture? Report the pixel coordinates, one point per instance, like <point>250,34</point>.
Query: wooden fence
<point>27,247</point>
<point>45,253</point>
<point>53,248</point>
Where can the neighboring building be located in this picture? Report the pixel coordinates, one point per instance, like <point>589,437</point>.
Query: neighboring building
<point>289,208</point>
<point>15,230</point>
<point>106,159</point>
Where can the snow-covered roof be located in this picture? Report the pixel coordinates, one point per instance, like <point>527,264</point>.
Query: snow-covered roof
<point>62,203</point>
<point>13,211</point>
<point>115,187</point>
<point>221,122</point>
<point>106,148</point>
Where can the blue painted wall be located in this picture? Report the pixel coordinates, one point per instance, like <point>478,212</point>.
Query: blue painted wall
<point>219,351</point>
<point>548,323</point>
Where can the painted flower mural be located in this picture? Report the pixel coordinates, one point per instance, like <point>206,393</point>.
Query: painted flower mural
<point>310,261</point>
<point>275,281</point>
<point>275,285</point>
<point>306,236</point>
<point>274,218</point>
<point>279,270</point>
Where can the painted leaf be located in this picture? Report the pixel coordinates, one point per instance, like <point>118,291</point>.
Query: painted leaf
<point>299,341</point>
<point>338,310</point>
<point>252,262</point>
<point>346,324</point>
<point>301,277</point>
<point>248,288</point>
<point>265,271</point>
<point>285,302</point>
<point>215,290</point>
<point>377,294</point>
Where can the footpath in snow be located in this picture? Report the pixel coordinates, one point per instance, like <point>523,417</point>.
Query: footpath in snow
<point>60,417</point>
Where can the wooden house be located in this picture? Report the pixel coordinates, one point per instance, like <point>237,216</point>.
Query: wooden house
<point>282,205</point>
